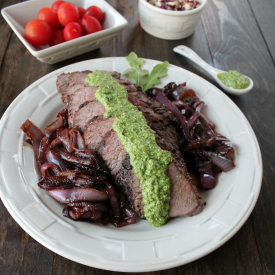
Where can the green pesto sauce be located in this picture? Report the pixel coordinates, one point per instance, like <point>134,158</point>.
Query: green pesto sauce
<point>148,160</point>
<point>234,79</point>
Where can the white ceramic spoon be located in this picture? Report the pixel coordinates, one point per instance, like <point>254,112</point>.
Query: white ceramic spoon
<point>187,52</point>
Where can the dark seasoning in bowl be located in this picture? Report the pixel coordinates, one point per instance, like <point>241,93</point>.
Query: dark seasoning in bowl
<point>177,5</point>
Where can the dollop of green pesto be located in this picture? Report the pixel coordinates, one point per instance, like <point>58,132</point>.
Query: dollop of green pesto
<point>234,79</point>
<point>147,158</point>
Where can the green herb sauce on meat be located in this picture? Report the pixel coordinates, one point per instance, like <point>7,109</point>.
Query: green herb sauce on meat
<point>148,160</point>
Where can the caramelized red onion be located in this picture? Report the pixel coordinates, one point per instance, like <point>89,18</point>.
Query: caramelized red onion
<point>42,149</point>
<point>77,140</point>
<point>207,181</point>
<point>73,175</point>
<point>223,163</point>
<point>92,181</point>
<point>48,169</point>
<point>181,92</point>
<point>196,114</point>
<point>55,182</point>
<point>73,195</point>
<point>58,182</point>
<point>85,210</point>
<point>58,123</point>
<point>206,152</point>
<point>54,158</point>
<point>74,160</point>
<point>35,136</point>
<point>64,137</point>
<point>160,97</point>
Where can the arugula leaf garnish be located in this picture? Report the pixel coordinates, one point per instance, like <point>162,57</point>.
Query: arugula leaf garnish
<point>142,77</point>
<point>153,78</point>
<point>135,71</point>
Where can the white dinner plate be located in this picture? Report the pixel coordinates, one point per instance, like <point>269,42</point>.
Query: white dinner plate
<point>138,247</point>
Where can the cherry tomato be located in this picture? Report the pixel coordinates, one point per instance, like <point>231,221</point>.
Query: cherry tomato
<point>50,16</point>
<point>67,12</point>
<point>90,24</point>
<point>56,4</point>
<point>57,37</point>
<point>38,32</point>
<point>95,12</point>
<point>72,30</point>
<point>81,12</point>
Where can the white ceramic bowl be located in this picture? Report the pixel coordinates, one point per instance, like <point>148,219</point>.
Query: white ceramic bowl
<point>19,15</point>
<point>168,24</point>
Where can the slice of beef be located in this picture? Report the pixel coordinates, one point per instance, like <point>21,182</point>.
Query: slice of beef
<point>62,83</point>
<point>68,83</point>
<point>78,77</point>
<point>96,130</point>
<point>140,99</point>
<point>86,114</point>
<point>182,191</point>
<point>129,183</point>
<point>84,94</point>
<point>112,152</point>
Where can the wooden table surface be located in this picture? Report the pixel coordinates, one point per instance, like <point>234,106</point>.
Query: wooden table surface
<point>230,35</point>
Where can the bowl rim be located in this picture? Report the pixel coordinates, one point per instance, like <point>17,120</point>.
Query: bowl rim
<point>172,12</point>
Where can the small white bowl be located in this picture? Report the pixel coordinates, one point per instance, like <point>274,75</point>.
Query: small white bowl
<point>19,15</point>
<point>168,24</point>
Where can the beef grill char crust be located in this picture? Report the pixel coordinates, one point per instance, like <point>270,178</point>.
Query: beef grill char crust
<point>86,114</point>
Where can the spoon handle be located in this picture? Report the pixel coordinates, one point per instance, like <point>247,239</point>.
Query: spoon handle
<point>190,54</point>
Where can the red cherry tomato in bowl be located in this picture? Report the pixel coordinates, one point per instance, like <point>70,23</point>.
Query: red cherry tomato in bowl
<point>67,12</point>
<point>38,32</point>
<point>50,16</point>
<point>72,30</point>
<point>90,24</point>
<point>81,12</point>
<point>95,12</point>
<point>57,37</point>
<point>56,4</point>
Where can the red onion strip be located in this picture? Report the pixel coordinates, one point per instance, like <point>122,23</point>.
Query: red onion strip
<point>160,97</point>
<point>77,140</point>
<point>77,195</point>
<point>54,126</point>
<point>63,135</point>
<point>56,182</point>
<point>88,162</point>
<point>48,169</point>
<point>223,163</point>
<point>35,135</point>
<point>42,150</point>
<point>53,157</point>
<point>207,181</point>
<point>195,115</point>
